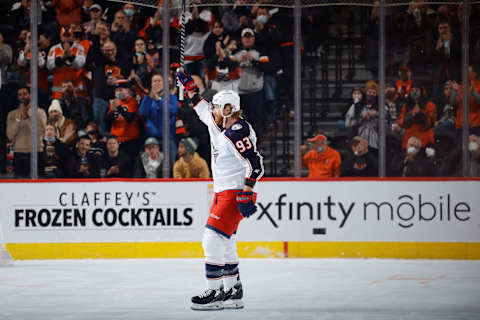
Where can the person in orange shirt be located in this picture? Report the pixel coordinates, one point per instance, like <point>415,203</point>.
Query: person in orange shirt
<point>322,161</point>
<point>122,117</point>
<point>65,60</point>
<point>474,100</point>
<point>418,116</point>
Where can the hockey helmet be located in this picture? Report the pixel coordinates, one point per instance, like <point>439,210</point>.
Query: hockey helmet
<point>224,97</point>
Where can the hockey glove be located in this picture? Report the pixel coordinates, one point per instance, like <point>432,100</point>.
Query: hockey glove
<point>187,81</point>
<point>246,203</point>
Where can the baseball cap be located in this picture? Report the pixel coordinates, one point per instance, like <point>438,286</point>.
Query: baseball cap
<point>318,137</point>
<point>247,30</point>
<point>151,140</point>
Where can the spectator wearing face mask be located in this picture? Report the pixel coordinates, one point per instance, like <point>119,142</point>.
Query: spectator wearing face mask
<point>360,162</point>
<point>418,116</point>
<point>418,162</point>
<point>65,60</point>
<point>355,104</point>
<point>131,13</point>
<point>55,153</point>
<point>364,115</point>
<point>321,160</point>
<point>269,38</point>
<point>122,117</point>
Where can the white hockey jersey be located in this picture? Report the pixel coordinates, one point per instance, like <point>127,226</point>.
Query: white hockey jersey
<point>235,159</point>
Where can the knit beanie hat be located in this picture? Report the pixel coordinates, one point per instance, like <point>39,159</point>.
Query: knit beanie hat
<point>55,105</point>
<point>371,85</point>
<point>191,144</point>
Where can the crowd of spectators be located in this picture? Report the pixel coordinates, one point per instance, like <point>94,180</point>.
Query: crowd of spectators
<point>100,83</point>
<point>423,94</point>
<point>101,86</point>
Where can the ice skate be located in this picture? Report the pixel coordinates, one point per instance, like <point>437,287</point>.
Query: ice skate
<point>209,300</point>
<point>233,297</point>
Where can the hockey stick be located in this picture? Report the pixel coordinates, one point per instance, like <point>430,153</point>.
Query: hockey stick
<point>182,48</point>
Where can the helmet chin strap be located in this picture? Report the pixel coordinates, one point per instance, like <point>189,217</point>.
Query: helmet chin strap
<point>225,118</point>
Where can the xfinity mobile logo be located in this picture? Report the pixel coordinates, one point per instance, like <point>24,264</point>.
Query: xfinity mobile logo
<point>406,210</point>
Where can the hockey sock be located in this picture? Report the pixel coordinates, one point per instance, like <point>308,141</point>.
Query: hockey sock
<point>230,275</point>
<point>214,273</point>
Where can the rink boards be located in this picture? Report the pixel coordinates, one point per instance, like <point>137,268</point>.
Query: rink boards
<point>438,219</point>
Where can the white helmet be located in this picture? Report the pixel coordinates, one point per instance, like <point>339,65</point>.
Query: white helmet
<point>225,97</point>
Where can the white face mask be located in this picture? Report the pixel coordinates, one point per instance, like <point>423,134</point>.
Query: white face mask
<point>262,18</point>
<point>356,97</point>
<point>472,146</point>
<point>121,96</point>
<point>430,152</point>
<point>412,150</point>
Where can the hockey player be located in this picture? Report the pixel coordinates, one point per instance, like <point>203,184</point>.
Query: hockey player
<point>236,167</point>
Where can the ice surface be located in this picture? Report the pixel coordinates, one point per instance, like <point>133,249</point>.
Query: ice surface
<point>277,289</point>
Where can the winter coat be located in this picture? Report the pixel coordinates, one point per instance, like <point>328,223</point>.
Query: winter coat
<point>152,112</point>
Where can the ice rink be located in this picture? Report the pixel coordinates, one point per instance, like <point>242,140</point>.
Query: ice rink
<point>274,289</point>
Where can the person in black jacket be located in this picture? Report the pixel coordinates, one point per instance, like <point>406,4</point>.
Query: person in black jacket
<point>83,164</point>
<point>107,69</point>
<point>360,162</point>
<point>55,153</point>
<point>222,71</point>
<point>123,36</point>
<point>269,38</point>
<point>418,161</point>
<point>76,108</point>
<point>114,163</point>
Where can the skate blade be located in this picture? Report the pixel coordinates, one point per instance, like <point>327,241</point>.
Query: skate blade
<point>233,304</point>
<point>218,305</point>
